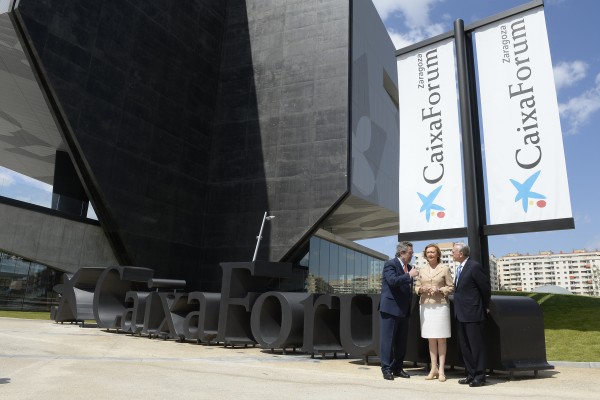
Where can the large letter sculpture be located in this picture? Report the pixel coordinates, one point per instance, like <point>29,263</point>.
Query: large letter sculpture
<point>322,325</point>
<point>249,311</point>
<point>202,323</point>
<point>77,295</point>
<point>359,325</point>
<point>163,315</point>
<point>277,320</point>
<point>242,283</point>
<point>111,290</point>
<point>135,306</point>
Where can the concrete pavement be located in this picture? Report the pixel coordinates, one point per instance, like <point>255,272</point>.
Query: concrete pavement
<point>45,360</point>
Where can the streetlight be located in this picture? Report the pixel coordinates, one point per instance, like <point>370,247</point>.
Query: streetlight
<point>265,218</point>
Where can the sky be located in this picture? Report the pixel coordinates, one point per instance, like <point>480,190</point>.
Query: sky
<point>24,188</point>
<point>573,29</point>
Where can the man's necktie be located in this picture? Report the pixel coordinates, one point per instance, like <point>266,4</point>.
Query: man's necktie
<point>405,270</point>
<point>458,273</point>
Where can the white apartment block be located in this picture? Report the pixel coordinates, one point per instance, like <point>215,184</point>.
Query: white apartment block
<point>578,272</point>
<point>446,248</point>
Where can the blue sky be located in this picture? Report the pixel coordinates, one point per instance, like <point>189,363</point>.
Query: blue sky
<point>573,29</point>
<point>24,188</point>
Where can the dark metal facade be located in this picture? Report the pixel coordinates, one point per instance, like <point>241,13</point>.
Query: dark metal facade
<point>186,121</point>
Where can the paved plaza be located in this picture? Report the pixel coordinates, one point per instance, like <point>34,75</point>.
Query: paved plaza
<point>45,360</point>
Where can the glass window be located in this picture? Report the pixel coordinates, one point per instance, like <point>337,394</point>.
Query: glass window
<point>334,265</point>
<point>343,269</point>
<point>361,269</point>
<point>25,285</point>
<point>350,275</point>
<point>312,280</point>
<point>377,271</point>
<point>17,186</point>
<point>324,267</point>
<point>337,269</point>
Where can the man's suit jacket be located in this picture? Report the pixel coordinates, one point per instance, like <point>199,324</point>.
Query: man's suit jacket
<point>396,289</point>
<point>472,293</point>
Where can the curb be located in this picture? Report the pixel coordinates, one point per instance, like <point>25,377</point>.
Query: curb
<point>573,364</point>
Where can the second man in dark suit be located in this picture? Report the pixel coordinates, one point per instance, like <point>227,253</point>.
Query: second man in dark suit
<point>394,309</point>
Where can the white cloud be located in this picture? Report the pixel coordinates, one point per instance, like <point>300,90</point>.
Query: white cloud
<point>416,35</point>
<point>385,7</point>
<point>579,110</point>
<point>568,73</point>
<point>415,15</point>
<point>399,39</point>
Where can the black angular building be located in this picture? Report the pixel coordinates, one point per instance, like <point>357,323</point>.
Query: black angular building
<point>183,122</point>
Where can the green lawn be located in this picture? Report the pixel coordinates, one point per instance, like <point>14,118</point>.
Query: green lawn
<point>572,325</point>
<point>25,314</point>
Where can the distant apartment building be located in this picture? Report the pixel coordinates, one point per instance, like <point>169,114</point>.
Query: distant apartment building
<point>578,272</point>
<point>447,259</point>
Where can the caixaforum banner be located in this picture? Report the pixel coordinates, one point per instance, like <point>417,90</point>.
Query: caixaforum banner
<point>524,156</point>
<point>431,184</point>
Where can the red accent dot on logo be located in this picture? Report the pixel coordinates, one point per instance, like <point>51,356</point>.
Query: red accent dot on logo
<point>441,214</point>
<point>541,203</point>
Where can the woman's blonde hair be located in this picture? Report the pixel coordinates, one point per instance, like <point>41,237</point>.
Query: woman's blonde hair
<point>437,250</point>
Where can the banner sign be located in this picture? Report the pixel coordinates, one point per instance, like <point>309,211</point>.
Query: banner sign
<point>526,171</point>
<point>431,190</point>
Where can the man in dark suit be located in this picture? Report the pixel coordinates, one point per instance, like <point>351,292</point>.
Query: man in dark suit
<point>394,309</point>
<point>472,295</point>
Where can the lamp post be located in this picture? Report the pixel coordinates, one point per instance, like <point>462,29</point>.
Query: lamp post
<point>259,237</point>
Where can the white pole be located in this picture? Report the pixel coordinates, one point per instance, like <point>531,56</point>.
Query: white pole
<point>259,236</point>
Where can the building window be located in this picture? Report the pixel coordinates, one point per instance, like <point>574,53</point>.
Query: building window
<point>26,285</point>
<point>337,269</point>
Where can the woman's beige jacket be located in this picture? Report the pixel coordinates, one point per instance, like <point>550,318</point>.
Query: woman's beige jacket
<point>439,278</point>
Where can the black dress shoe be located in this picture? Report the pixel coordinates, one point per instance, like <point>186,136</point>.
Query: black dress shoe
<point>401,374</point>
<point>465,381</point>
<point>388,376</point>
<point>476,383</point>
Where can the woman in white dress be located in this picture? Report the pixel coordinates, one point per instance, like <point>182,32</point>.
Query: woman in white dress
<point>434,285</point>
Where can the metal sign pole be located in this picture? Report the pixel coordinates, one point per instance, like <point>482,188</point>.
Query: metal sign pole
<point>474,196</point>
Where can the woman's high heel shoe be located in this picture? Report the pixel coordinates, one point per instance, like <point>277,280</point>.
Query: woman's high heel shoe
<point>442,378</point>
<point>432,374</point>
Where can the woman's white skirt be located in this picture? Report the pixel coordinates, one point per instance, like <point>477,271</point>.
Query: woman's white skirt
<point>435,320</point>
